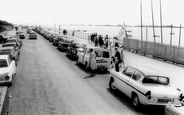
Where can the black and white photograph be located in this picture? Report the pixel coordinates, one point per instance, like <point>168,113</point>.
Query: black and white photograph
<point>91,57</point>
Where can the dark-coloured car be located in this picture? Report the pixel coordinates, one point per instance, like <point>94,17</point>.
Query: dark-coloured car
<point>52,36</point>
<point>73,49</point>
<point>57,39</point>
<point>15,40</point>
<point>3,39</point>
<point>20,34</point>
<point>10,51</point>
<point>64,43</point>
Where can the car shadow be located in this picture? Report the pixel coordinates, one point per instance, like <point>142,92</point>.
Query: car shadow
<point>125,100</point>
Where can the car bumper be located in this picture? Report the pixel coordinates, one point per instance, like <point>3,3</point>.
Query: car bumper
<point>4,83</point>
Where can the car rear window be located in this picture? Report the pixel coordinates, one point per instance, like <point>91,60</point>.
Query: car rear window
<point>156,80</point>
<point>3,63</point>
<point>106,54</point>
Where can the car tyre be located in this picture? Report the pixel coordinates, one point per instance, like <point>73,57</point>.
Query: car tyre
<point>111,84</point>
<point>135,100</point>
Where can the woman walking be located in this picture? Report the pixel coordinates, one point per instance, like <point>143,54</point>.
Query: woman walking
<point>92,62</point>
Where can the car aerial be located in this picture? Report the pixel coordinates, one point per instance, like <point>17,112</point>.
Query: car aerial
<point>57,39</point>
<point>20,34</point>
<point>2,38</point>
<point>103,57</point>
<point>12,44</point>
<point>10,51</point>
<point>73,49</point>
<point>64,43</point>
<point>32,35</point>
<point>144,85</point>
<point>7,70</point>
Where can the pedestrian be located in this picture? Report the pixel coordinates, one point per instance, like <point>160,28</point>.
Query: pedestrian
<point>92,61</point>
<point>122,59</point>
<point>117,59</point>
<point>106,41</point>
<point>96,41</point>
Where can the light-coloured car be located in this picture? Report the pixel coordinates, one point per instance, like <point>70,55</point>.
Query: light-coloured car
<point>7,70</point>
<point>103,57</point>
<point>32,35</point>
<point>174,110</point>
<point>12,44</point>
<point>144,85</point>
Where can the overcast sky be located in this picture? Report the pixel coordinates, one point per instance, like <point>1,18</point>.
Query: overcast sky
<point>90,11</point>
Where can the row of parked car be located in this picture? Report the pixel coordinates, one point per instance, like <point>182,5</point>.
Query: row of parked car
<point>144,85</point>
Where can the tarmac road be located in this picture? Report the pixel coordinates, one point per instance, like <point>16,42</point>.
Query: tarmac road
<point>48,83</point>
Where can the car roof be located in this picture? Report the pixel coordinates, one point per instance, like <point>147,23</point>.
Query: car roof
<point>4,56</point>
<point>14,43</point>
<point>147,71</point>
<point>6,48</point>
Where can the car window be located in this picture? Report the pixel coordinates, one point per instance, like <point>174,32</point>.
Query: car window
<point>98,53</point>
<point>128,71</point>
<point>3,63</point>
<point>137,75</point>
<point>105,54</point>
<point>9,60</point>
<point>156,80</point>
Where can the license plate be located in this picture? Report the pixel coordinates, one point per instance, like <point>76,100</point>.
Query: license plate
<point>164,100</point>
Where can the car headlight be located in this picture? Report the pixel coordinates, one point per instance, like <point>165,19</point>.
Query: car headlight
<point>7,77</point>
<point>148,94</point>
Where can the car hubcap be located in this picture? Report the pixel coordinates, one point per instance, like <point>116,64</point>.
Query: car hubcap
<point>112,85</point>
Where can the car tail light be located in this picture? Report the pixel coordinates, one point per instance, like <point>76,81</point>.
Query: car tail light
<point>148,94</point>
<point>7,77</point>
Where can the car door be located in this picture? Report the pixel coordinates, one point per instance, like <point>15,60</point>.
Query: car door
<point>125,77</point>
<point>134,84</point>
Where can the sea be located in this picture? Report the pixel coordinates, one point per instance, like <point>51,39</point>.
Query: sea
<point>176,38</point>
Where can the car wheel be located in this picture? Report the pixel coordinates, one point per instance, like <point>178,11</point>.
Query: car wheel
<point>10,84</point>
<point>135,100</point>
<point>111,84</point>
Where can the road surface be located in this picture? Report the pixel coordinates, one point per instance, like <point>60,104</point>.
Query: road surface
<point>49,83</point>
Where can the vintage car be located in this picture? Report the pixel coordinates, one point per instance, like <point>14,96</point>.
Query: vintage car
<point>103,57</point>
<point>10,51</point>
<point>174,110</point>
<point>2,38</point>
<point>144,85</point>
<point>7,70</point>
<point>29,30</point>
<point>64,43</point>
<point>32,35</point>
<point>57,39</point>
<point>73,49</point>
<point>14,45</point>
<point>15,40</point>
<point>20,34</point>
<point>52,36</point>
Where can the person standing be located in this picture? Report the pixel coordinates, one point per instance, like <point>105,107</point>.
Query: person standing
<point>122,59</point>
<point>92,61</point>
<point>106,41</point>
<point>117,59</point>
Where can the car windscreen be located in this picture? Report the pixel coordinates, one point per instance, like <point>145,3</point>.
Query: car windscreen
<point>156,80</point>
<point>104,54</point>
<point>3,63</point>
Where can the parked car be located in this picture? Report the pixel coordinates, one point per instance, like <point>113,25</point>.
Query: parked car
<point>32,35</point>
<point>103,57</point>
<point>57,39</point>
<point>7,70</point>
<point>144,85</point>
<point>15,40</point>
<point>3,38</point>
<point>14,45</point>
<point>10,51</point>
<point>52,36</point>
<point>73,49</point>
<point>174,110</point>
<point>64,43</point>
<point>20,34</point>
<point>29,30</point>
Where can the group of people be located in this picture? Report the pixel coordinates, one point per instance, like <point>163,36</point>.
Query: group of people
<point>98,40</point>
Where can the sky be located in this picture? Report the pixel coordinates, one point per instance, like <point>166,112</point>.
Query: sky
<point>92,12</point>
